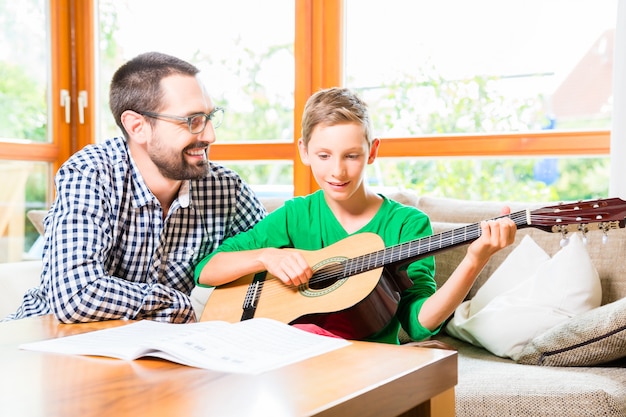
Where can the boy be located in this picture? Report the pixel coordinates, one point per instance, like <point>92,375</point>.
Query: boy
<point>337,144</point>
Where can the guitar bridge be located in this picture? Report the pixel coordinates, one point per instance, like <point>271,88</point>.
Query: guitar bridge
<point>253,294</point>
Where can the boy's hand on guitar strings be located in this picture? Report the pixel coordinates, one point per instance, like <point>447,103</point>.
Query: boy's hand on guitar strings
<point>287,265</point>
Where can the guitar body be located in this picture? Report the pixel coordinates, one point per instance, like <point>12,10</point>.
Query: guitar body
<point>367,300</point>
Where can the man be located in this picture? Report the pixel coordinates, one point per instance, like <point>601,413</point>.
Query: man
<point>133,215</point>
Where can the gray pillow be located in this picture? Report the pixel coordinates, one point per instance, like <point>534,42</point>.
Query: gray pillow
<point>592,338</point>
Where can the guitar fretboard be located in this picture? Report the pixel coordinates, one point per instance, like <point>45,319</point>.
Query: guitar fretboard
<point>409,251</point>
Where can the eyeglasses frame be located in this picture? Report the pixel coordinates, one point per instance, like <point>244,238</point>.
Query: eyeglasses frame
<point>207,118</point>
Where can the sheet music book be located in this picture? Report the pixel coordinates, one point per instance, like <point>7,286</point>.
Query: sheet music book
<point>250,346</point>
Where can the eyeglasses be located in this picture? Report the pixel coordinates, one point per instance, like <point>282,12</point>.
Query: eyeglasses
<point>196,122</point>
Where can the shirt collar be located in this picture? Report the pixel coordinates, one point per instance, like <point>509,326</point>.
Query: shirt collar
<point>184,194</point>
<point>141,193</point>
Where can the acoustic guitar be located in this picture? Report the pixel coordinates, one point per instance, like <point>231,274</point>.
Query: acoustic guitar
<point>360,280</point>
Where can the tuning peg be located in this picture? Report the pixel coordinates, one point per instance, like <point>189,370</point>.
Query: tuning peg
<point>583,231</point>
<point>564,238</point>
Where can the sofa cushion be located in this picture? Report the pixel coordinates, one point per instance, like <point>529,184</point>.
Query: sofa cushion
<point>36,218</point>
<point>519,266</point>
<point>15,279</point>
<point>595,337</point>
<point>450,213</point>
<point>451,210</point>
<point>528,294</point>
<point>492,386</point>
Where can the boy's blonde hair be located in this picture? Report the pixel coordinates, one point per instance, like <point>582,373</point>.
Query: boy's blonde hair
<point>334,106</point>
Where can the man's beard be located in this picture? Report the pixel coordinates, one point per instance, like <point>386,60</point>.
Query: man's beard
<point>177,168</point>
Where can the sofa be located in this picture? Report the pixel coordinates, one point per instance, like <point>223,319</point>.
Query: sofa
<point>568,383</point>
<point>490,385</point>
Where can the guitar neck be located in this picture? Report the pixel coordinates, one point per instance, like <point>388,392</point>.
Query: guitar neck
<point>405,253</point>
<point>603,214</point>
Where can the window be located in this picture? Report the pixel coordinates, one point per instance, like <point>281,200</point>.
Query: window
<point>480,68</point>
<point>24,82</point>
<point>248,67</point>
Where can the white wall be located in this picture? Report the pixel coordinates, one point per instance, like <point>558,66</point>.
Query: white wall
<point>617,184</point>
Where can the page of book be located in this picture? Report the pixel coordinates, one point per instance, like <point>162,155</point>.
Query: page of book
<point>251,346</point>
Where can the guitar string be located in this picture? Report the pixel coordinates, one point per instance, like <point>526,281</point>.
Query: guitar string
<point>364,263</point>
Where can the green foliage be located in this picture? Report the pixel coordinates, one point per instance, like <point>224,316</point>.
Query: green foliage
<point>23,111</point>
<point>583,178</point>
<point>427,104</point>
<point>262,113</point>
<point>500,180</point>
<point>23,115</point>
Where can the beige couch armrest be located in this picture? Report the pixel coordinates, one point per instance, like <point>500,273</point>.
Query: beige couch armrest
<point>15,279</point>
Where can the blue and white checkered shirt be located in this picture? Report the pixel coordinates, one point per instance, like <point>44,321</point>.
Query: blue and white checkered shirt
<point>109,253</point>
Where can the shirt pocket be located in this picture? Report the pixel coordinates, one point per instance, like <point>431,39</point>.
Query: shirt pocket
<point>177,270</point>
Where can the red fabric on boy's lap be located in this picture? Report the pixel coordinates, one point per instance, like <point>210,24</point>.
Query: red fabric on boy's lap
<point>313,328</point>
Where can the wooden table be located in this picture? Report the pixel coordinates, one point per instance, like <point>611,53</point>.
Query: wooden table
<point>363,379</point>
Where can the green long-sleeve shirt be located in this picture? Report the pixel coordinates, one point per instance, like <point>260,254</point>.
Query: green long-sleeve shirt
<point>307,223</point>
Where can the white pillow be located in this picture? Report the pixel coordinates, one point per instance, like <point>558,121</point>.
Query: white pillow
<point>528,294</point>
<point>520,265</point>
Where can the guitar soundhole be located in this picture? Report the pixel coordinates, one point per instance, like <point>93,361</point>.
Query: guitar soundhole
<point>324,278</point>
<point>327,277</point>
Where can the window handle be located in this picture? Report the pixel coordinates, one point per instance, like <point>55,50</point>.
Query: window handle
<point>65,102</point>
<point>82,104</point>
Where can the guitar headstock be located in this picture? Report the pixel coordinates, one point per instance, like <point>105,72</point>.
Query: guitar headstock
<point>583,216</point>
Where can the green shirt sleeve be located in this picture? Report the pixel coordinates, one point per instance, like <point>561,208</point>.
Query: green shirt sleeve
<point>299,223</point>
<point>401,224</point>
<point>269,232</point>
